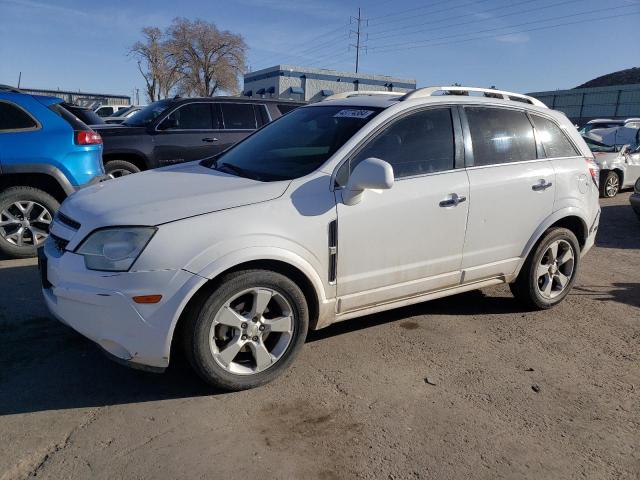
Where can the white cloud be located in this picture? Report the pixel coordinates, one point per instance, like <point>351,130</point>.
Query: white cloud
<point>514,38</point>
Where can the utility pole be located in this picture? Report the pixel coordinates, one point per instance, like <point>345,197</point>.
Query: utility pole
<point>358,33</point>
<point>19,79</point>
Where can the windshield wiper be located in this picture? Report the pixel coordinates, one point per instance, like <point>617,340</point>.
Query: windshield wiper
<point>235,169</point>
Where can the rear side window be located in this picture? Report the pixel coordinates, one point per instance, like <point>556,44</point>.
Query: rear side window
<point>500,136</point>
<point>284,108</point>
<point>14,118</point>
<point>417,144</point>
<point>238,116</point>
<point>192,116</point>
<point>70,118</point>
<point>555,142</point>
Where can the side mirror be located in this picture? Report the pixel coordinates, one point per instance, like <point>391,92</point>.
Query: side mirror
<point>168,123</point>
<point>370,174</point>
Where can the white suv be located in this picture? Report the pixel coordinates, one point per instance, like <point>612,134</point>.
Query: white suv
<point>336,210</point>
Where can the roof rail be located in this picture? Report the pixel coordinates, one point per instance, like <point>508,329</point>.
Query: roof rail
<point>488,92</point>
<point>361,93</point>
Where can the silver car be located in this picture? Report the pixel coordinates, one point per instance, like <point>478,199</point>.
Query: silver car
<point>619,166</point>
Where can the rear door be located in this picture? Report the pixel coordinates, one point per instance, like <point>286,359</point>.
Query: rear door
<point>19,134</point>
<point>188,133</point>
<point>512,189</point>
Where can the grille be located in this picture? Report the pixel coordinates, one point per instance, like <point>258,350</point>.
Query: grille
<point>69,222</point>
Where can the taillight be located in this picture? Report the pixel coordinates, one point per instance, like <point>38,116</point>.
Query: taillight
<point>88,137</point>
<point>594,170</point>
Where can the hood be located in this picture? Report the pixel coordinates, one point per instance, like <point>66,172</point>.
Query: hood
<point>164,195</point>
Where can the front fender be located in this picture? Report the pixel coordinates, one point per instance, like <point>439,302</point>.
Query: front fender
<point>249,254</point>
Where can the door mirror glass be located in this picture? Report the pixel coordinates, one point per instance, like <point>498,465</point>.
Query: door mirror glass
<point>369,174</point>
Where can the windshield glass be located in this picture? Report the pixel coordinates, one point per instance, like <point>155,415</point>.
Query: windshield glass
<point>595,146</point>
<point>121,112</point>
<point>148,114</point>
<point>296,144</point>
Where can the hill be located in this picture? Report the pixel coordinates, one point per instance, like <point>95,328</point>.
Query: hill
<point>623,77</point>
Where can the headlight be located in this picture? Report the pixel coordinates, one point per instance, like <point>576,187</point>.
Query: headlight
<point>114,249</point>
<point>637,186</point>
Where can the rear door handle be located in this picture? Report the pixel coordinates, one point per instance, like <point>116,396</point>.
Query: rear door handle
<point>541,185</point>
<point>453,200</point>
<point>210,139</point>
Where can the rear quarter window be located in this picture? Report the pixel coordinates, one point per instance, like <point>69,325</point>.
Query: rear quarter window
<point>71,119</point>
<point>553,139</point>
<point>14,118</point>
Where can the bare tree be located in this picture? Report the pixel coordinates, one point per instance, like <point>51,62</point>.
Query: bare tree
<point>155,63</point>
<point>208,60</point>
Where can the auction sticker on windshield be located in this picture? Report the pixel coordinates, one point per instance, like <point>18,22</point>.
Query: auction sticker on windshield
<point>352,113</point>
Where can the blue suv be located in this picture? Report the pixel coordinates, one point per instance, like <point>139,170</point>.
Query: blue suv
<point>46,154</point>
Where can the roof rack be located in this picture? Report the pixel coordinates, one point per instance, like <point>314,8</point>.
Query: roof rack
<point>361,93</point>
<point>458,90</point>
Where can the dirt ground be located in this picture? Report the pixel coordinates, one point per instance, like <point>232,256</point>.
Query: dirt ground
<point>471,386</point>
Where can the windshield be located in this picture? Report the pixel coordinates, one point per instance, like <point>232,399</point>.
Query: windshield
<point>595,146</point>
<point>296,144</point>
<point>148,114</point>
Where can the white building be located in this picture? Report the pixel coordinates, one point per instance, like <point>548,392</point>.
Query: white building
<point>313,84</point>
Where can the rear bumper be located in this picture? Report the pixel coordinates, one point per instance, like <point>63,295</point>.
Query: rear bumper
<point>99,306</point>
<point>635,203</point>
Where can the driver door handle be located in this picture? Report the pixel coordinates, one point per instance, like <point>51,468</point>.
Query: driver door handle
<point>210,139</point>
<point>453,200</point>
<point>541,185</point>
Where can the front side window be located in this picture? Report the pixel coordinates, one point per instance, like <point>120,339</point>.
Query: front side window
<point>500,136</point>
<point>238,116</point>
<point>555,142</point>
<point>294,145</point>
<point>417,144</point>
<point>192,116</point>
<point>104,111</point>
<point>14,118</point>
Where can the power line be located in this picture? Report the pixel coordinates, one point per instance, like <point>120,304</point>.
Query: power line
<point>358,34</point>
<point>377,35</point>
<point>424,14</point>
<point>544,27</point>
<point>408,10</point>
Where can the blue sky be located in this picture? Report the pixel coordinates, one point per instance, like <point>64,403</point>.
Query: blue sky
<point>71,44</point>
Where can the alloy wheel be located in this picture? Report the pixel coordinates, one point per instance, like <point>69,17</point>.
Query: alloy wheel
<point>612,186</point>
<point>25,223</point>
<point>555,269</point>
<point>251,331</point>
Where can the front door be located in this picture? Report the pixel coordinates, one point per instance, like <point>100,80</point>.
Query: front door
<point>511,189</point>
<point>407,240</point>
<point>188,133</point>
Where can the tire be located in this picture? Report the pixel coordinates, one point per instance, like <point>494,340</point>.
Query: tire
<point>609,184</point>
<point>234,360</point>
<point>18,204</point>
<point>120,168</point>
<point>541,292</point>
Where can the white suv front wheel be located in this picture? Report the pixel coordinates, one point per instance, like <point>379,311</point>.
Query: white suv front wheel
<point>248,330</point>
<point>550,270</point>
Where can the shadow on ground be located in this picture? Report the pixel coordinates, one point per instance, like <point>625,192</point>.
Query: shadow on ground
<point>619,227</point>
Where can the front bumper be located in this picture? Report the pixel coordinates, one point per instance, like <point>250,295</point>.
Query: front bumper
<point>635,203</point>
<point>99,306</point>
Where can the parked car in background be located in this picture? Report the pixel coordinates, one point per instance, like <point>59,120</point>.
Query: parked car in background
<point>600,123</point>
<point>635,199</point>
<point>84,114</point>
<point>121,115</point>
<point>334,211</point>
<point>619,166</point>
<point>182,129</point>
<point>632,123</point>
<point>109,110</point>
<point>46,154</point>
